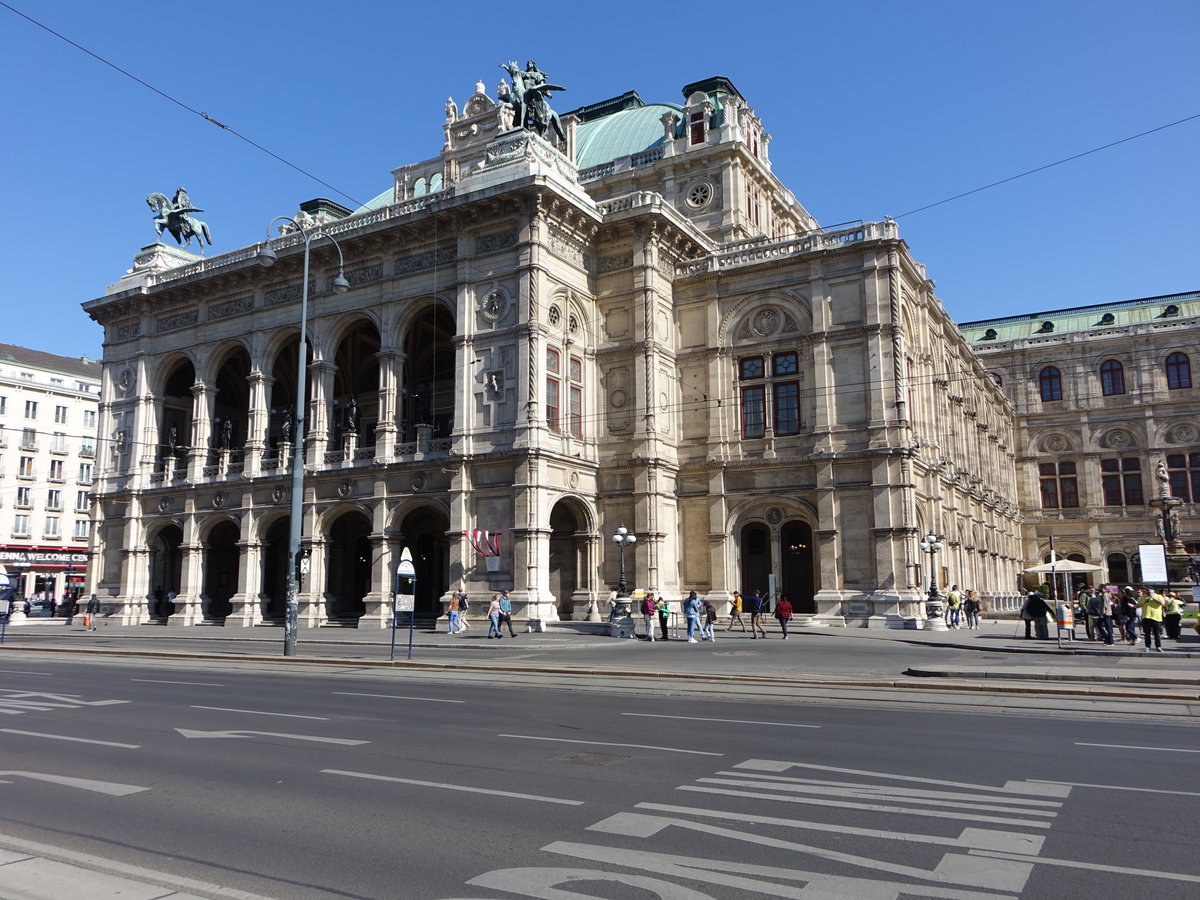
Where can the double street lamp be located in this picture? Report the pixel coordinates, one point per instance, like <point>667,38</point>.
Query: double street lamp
<point>933,605</point>
<point>622,538</point>
<point>267,257</point>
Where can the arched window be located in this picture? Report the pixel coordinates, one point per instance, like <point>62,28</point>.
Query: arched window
<point>1050,381</point>
<point>1179,371</point>
<point>1112,378</point>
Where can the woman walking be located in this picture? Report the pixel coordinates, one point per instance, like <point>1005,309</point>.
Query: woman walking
<point>493,614</point>
<point>735,612</point>
<point>691,610</point>
<point>783,612</point>
<point>972,607</point>
<point>648,609</point>
<point>710,619</point>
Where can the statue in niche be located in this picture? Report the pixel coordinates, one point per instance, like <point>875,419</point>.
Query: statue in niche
<point>1164,480</point>
<point>175,216</point>
<point>285,427</point>
<point>227,434</point>
<point>493,384</point>
<point>172,441</point>
<point>352,416</point>
<point>530,100</point>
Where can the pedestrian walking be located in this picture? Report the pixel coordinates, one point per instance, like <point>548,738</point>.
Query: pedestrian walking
<point>506,614</point>
<point>1153,605</point>
<point>612,605</point>
<point>452,615</point>
<point>756,614</point>
<point>735,612</point>
<point>691,611</point>
<point>710,619</point>
<point>649,608</point>
<point>464,606</point>
<point>972,606</point>
<point>1127,612</point>
<point>663,607</point>
<point>93,610</point>
<point>1099,607</point>
<point>1034,612</point>
<point>783,612</point>
<point>1173,616</point>
<point>954,600</point>
<point>493,614</point>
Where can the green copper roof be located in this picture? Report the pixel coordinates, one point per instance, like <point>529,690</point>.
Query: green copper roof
<point>384,199</point>
<point>1082,318</point>
<point>621,134</point>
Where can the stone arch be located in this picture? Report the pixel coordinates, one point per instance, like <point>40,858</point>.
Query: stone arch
<point>349,555</point>
<point>1055,441</point>
<point>354,406</point>
<point>776,536</point>
<point>1120,439</point>
<point>789,306</point>
<point>572,531</point>
<point>164,540</point>
<point>422,526</point>
<point>430,370</point>
<point>222,561</point>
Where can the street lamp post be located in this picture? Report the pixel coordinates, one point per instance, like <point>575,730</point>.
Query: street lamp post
<point>933,604</point>
<point>267,257</point>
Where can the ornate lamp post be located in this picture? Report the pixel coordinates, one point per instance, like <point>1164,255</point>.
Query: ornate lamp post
<point>933,605</point>
<point>622,538</point>
<point>267,257</point>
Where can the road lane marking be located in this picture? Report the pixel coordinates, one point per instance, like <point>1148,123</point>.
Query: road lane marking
<point>731,721</point>
<point>872,807</point>
<point>112,788</point>
<point>531,737</point>
<point>1129,747</point>
<point>453,787</point>
<point>195,683</point>
<point>18,672</point>
<point>395,697</point>
<point>1090,866</point>
<point>187,733</point>
<point>1012,841</point>
<point>907,792</point>
<point>775,765</point>
<point>1119,787</point>
<point>259,712</point>
<point>77,740</point>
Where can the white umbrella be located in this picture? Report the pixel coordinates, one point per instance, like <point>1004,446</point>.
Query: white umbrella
<point>1064,565</point>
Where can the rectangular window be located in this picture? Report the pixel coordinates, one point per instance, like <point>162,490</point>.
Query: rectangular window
<point>1121,481</point>
<point>696,129</point>
<point>57,382</point>
<point>81,530</point>
<point>24,498</point>
<point>85,473</point>
<point>3,406</point>
<point>54,499</point>
<point>750,367</point>
<point>787,408</point>
<point>1059,485</point>
<point>576,411</point>
<point>753,419</point>
<point>25,467</point>
<point>87,447</point>
<point>21,526</point>
<point>29,439</point>
<point>81,500</point>
<point>89,418</point>
<point>552,404</point>
<point>60,415</point>
<point>58,443</point>
<point>1184,472</point>
<point>56,470</point>
<point>51,526</point>
<point>31,409</point>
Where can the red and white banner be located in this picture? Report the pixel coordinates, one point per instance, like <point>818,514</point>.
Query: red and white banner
<point>484,542</point>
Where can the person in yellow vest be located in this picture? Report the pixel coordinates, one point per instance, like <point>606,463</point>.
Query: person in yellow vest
<point>1172,616</point>
<point>1153,606</point>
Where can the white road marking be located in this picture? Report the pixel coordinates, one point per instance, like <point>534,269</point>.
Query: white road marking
<point>1090,866</point>
<point>18,672</point>
<point>1119,787</point>
<point>530,737</point>
<point>394,697</point>
<point>881,793</point>
<point>1010,841</point>
<point>879,789</point>
<point>1012,787</point>
<point>160,681</point>
<point>874,807</point>
<point>731,721</point>
<point>243,734</point>
<point>453,787</point>
<point>1129,747</point>
<point>77,740</point>
<point>111,788</point>
<point>259,712</point>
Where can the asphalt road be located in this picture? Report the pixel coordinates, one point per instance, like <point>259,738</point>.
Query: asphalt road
<point>377,784</point>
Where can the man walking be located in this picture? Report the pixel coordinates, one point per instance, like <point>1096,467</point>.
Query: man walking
<point>505,615</point>
<point>691,611</point>
<point>1099,607</point>
<point>1153,605</point>
<point>93,609</point>
<point>756,614</point>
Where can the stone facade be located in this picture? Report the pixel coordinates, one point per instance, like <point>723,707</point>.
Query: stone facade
<point>642,327</point>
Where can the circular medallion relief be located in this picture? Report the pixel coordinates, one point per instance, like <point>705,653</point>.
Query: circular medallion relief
<point>766,322</point>
<point>1182,434</point>
<point>493,305</point>
<point>1055,443</point>
<point>278,494</point>
<point>218,499</point>
<point>573,479</point>
<point>418,481</point>
<point>700,195</point>
<point>618,398</point>
<point>1117,439</point>
<point>125,381</point>
<point>346,488</point>
<point>164,503</point>
<point>774,515</point>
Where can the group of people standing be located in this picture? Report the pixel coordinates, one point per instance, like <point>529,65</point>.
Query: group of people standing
<point>701,616</point>
<point>1129,612</point>
<point>960,604</point>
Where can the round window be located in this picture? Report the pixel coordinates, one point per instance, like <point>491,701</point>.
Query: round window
<point>699,195</point>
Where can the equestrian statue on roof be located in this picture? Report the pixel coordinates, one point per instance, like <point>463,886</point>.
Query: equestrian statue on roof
<point>174,216</point>
<point>529,98</point>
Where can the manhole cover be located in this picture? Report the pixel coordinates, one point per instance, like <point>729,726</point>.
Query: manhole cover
<point>592,759</point>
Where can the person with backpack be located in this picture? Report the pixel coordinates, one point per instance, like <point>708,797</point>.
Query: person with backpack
<point>735,612</point>
<point>464,606</point>
<point>710,619</point>
<point>756,614</point>
<point>649,607</point>
<point>954,607</point>
<point>783,612</point>
<point>1127,612</point>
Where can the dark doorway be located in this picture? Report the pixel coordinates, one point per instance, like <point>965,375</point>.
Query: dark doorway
<point>424,533</point>
<point>348,557</point>
<point>797,583</point>
<point>756,558</point>
<point>274,571</point>
<point>165,569</point>
<point>221,570</point>
<point>564,557</point>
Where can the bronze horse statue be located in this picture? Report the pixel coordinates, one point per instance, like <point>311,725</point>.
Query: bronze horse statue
<point>530,104</point>
<point>175,218</point>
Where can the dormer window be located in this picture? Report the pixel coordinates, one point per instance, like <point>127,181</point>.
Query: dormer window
<point>696,128</point>
<point>1170,312</point>
<point>1107,319</point>
<point>989,335</point>
<point>1047,328</point>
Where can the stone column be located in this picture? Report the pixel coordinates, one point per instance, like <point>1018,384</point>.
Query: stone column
<point>320,374</point>
<point>258,422</point>
<point>391,369</point>
<point>188,609</point>
<point>247,605</point>
<point>202,413</point>
<point>312,596</point>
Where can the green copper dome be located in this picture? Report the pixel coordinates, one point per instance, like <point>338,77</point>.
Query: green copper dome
<point>620,134</point>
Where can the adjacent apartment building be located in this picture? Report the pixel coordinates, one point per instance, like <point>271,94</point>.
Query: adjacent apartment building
<point>48,417</point>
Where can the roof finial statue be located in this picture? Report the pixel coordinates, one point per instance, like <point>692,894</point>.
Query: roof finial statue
<point>529,97</point>
<point>173,216</point>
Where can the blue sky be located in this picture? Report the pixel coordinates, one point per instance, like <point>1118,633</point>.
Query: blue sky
<point>875,108</point>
